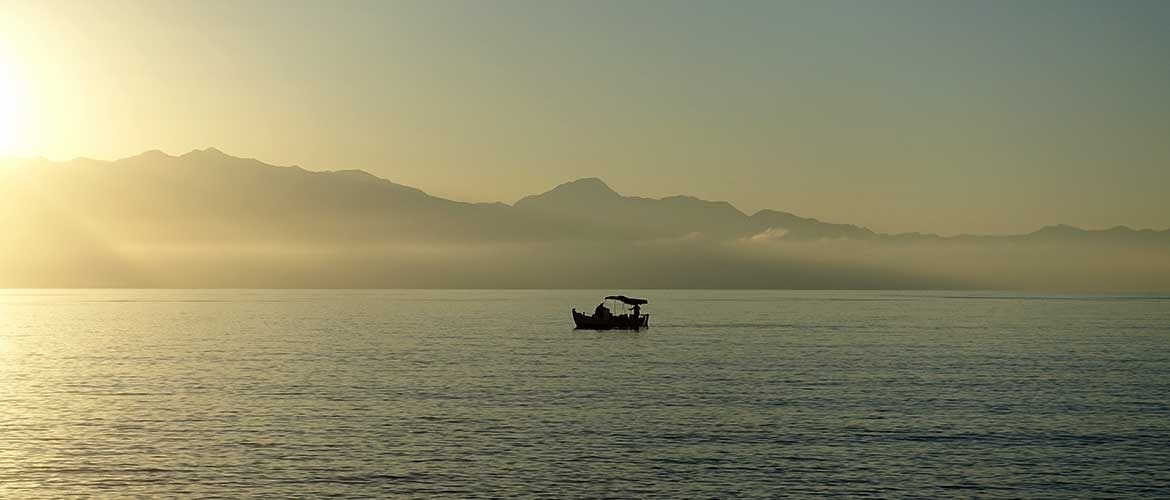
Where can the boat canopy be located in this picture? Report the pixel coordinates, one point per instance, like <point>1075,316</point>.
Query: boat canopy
<point>627,300</point>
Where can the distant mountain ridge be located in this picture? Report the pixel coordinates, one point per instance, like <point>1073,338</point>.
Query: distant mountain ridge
<point>589,205</point>
<point>65,217</point>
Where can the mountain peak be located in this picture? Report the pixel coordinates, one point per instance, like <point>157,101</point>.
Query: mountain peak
<point>586,185</point>
<point>210,152</point>
<point>153,154</point>
<point>586,190</point>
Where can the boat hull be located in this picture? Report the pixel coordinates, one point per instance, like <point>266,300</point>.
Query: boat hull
<point>621,322</point>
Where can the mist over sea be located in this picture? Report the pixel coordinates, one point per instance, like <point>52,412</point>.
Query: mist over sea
<point>490,394</point>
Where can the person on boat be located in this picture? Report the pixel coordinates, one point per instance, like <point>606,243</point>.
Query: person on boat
<point>601,311</point>
<point>637,310</point>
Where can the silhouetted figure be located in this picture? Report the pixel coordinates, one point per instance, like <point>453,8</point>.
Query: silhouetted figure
<point>601,311</point>
<point>637,310</point>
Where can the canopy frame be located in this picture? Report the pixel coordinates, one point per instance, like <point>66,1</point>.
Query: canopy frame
<point>630,301</point>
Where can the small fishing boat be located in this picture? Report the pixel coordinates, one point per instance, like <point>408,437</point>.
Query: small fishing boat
<point>604,318</point>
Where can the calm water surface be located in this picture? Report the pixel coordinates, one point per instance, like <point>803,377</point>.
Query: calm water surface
<point>472,394</point>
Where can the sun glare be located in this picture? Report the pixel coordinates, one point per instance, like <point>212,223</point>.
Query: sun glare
<point>13,111</point>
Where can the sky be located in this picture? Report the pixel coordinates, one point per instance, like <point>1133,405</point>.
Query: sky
<point>934,116</point>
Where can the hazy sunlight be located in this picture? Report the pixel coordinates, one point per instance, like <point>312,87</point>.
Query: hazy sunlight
<point>13,111</point>
<point>578,249</point>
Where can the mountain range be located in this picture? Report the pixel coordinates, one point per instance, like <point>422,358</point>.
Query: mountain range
<point>208,219</point>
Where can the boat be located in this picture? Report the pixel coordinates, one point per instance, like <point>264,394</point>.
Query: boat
<point>603,319</point>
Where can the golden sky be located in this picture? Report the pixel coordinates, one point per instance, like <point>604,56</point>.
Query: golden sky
<point>948,117</point>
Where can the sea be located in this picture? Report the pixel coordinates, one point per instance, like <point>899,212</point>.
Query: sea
<point>493,394</point>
